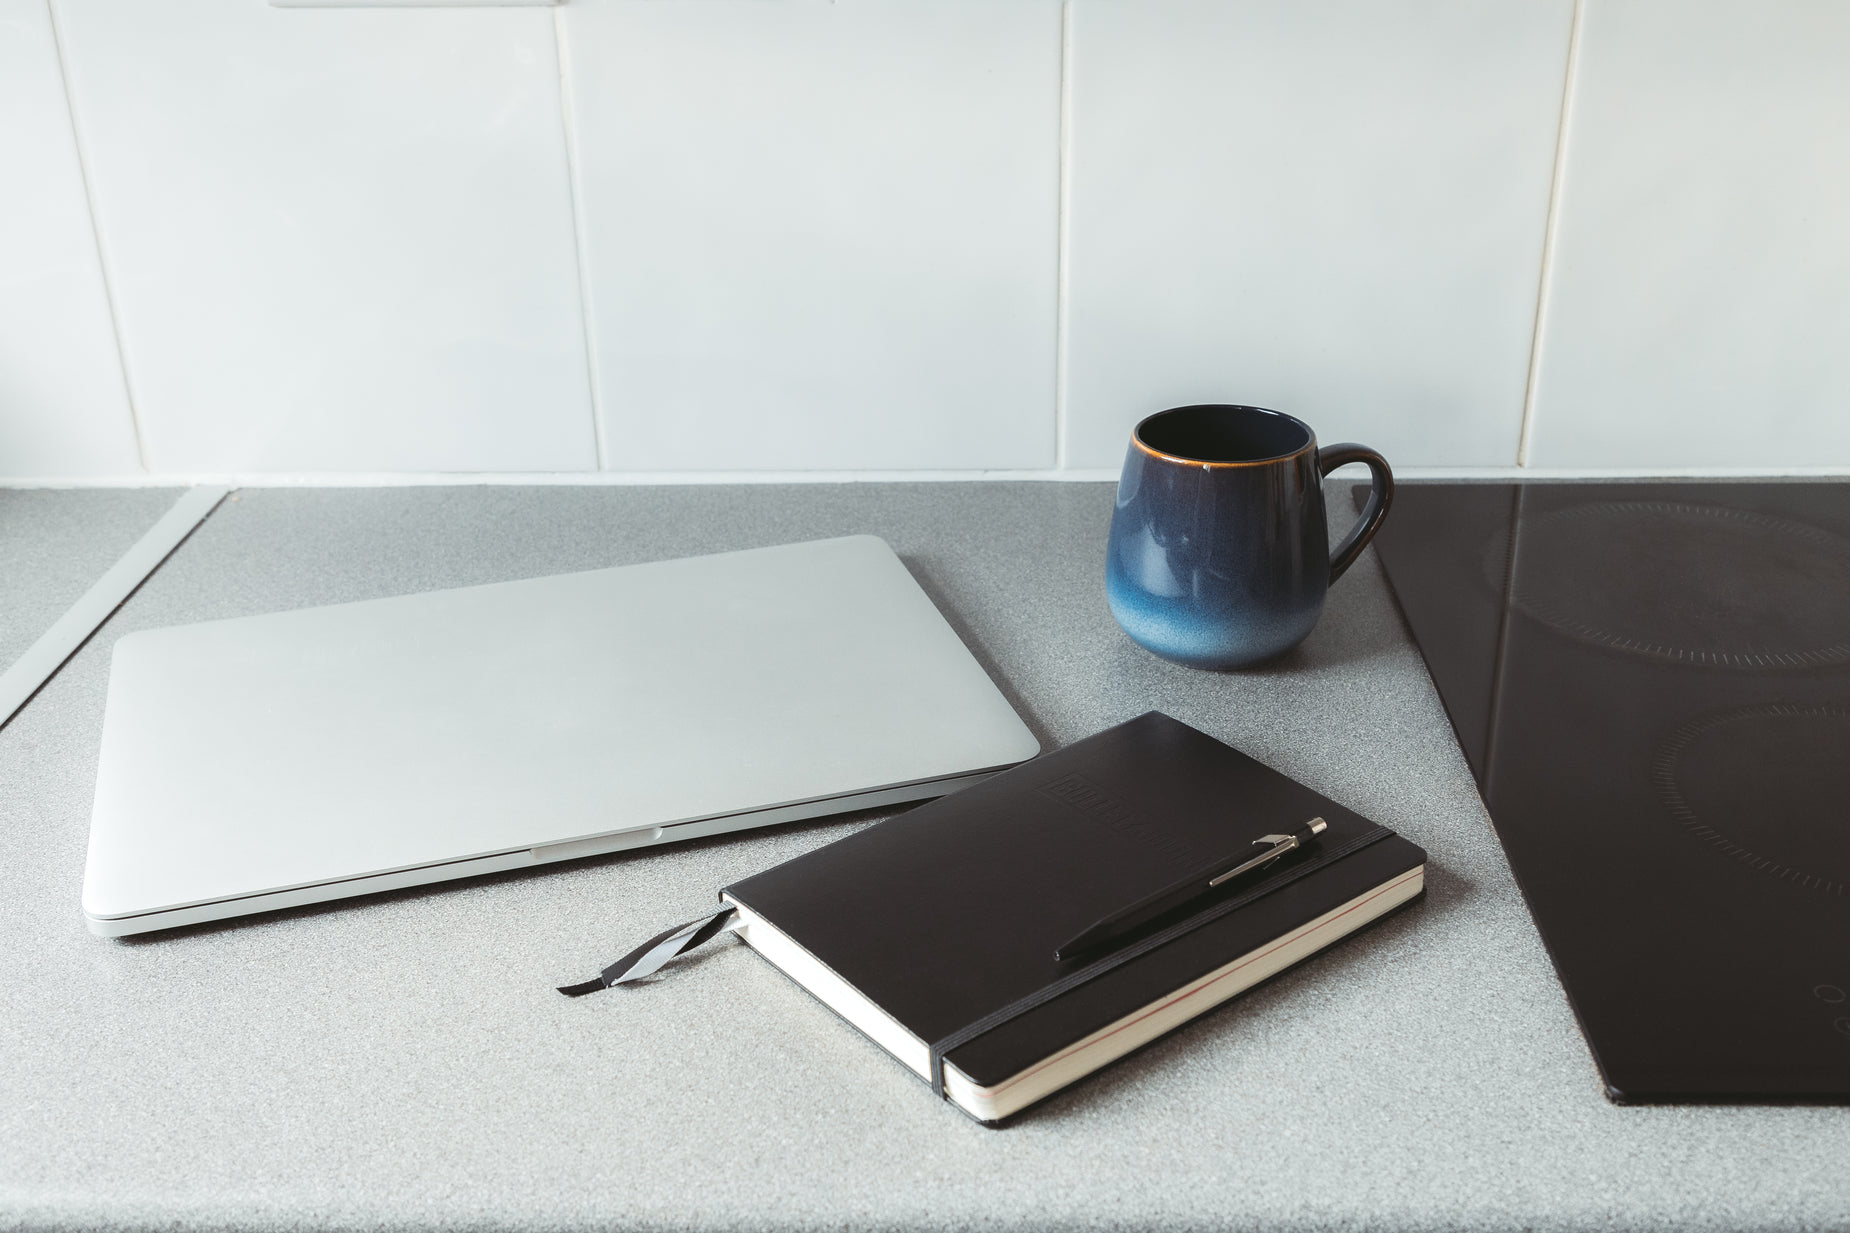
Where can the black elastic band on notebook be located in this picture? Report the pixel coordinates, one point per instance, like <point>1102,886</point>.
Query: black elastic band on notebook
<point>1117,959</point>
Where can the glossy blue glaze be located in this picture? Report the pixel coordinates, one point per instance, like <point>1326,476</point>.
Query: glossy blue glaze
<point>1225,564</point>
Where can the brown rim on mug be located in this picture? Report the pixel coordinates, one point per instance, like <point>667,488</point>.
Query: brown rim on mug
<point>1278,421</point>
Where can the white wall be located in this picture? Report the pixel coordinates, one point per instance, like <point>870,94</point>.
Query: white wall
<point>1699,302</point>
<point>63,406</point>
<point>1334,208</point>
<point>878,236</point>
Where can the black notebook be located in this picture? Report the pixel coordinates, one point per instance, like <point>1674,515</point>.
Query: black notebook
<point>935,932</point>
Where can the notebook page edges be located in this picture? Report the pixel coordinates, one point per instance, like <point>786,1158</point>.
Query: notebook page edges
<point>1171,1011</point>
<point>834,992</point>
<point>1044,1029</point>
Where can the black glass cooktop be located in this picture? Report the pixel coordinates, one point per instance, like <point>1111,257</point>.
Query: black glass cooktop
<point>1652,685</point>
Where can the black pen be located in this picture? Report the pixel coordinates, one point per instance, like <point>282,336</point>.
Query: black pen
<point>1145,910</point>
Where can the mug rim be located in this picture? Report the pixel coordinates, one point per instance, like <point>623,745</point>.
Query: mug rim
<point>1310,436</point>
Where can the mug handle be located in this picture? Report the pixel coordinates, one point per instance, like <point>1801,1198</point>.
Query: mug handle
<point>1379,498</point>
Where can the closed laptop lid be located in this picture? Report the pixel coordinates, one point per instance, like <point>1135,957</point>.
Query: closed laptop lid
<point>246,756</point>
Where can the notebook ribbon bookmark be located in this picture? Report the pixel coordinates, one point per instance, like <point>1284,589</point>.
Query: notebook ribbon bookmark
<point>658,950</point>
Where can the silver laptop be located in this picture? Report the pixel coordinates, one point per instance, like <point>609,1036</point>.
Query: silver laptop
<point>272,761</point>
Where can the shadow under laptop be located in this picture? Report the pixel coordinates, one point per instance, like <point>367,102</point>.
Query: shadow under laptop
<point>823,829</point>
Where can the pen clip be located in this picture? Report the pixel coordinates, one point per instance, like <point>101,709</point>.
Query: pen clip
<point>1280,844</point>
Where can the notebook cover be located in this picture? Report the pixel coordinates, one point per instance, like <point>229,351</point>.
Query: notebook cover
<point>952,911</point>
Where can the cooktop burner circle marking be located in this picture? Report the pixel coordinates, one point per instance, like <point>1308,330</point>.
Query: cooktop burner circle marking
<point>1751,721</point>
<point>1697,585</point>
<point>1828,993</point>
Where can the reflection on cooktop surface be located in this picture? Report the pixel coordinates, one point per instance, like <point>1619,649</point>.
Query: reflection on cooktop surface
<point>1698,584</point>
<point>1748,782</point>
<point>1652,685</point>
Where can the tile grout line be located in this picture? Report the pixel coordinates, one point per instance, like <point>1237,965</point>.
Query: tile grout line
<point>579,258</point>
<point>1035,475</point>
<point>1526,434</point>
<point>1062,253</point>
<point>42,660</point>
<point>96,238</point>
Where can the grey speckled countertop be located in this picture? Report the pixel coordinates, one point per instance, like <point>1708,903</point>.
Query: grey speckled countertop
<point>402,1061</point>
<point>55,542</point>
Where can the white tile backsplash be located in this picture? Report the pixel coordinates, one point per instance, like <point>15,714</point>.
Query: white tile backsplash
<point>63,408</point>
<point>718,236</point>
<point>820,235</point>
<point>1699,308</point>
<point>338,239</point>
<point>1328,207</point>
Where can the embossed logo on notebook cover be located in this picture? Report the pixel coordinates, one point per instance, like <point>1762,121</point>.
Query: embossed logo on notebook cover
<point>1102,807</point>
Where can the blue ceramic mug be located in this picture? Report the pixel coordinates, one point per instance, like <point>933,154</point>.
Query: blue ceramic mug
<point>1218,547</point>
